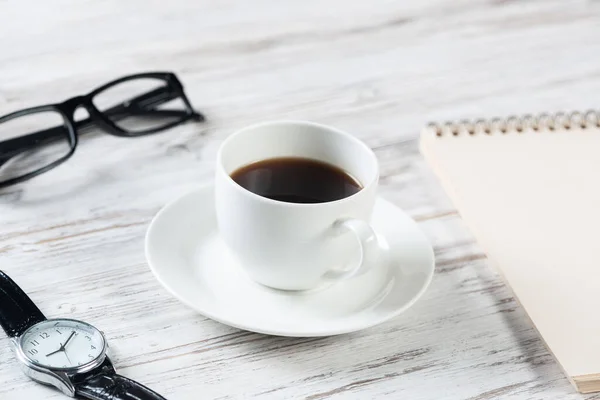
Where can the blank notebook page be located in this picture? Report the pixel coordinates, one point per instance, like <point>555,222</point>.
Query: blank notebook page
<point>532,199</point>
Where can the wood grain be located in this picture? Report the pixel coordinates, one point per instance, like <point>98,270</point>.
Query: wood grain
<point>73,238</point>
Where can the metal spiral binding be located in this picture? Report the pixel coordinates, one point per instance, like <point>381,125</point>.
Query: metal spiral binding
<point>540,122</point>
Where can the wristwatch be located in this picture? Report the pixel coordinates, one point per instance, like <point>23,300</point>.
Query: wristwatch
<point>65,353</point>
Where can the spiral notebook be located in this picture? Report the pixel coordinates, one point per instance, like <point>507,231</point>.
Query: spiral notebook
<point>529,189</point>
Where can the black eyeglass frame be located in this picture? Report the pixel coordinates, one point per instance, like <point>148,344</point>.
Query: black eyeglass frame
<point>141,105</point>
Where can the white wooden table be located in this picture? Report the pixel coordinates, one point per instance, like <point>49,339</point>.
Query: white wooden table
<point>74,237</point>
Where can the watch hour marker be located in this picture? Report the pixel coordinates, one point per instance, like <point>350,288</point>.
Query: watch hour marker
<point>59,332</point>
<point>44,335</point>
<point>34,342</point>
<point>32,351</point>
<point>93,347</point>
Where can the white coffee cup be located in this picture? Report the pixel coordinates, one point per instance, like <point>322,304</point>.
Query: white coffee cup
<point>293,246</point>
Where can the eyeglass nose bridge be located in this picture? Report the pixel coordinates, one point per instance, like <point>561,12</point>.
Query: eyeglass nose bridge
<point>71,105</point>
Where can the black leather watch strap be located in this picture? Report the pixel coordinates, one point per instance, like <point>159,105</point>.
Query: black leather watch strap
<point>17,311</point>
<point>103,383</point>
<point>115,387</point>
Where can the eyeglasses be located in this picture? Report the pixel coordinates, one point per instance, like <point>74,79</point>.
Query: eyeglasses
<point>35,140</point>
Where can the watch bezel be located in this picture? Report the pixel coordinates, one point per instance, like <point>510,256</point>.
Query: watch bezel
<point>69,370</point>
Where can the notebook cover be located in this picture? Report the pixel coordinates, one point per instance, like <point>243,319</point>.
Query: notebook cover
<point>531,195</point>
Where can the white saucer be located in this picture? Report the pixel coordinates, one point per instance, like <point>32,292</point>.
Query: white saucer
<point>188,258</point>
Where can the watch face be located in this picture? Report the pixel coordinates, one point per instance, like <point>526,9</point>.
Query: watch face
<point>62,344</point>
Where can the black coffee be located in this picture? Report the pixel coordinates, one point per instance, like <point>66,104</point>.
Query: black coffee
<point>296,180</point>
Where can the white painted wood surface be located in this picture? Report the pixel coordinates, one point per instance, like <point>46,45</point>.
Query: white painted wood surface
<point>73,238</point>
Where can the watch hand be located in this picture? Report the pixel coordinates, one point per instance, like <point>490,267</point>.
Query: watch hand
<point>57,351</point>
<point>68,357</point>
<point>69,338</point>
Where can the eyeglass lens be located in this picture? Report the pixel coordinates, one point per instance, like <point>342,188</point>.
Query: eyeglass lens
<point>19,162</point>
<point>139,116</point>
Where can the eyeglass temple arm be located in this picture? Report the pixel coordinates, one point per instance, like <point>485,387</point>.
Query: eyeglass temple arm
<point>143,105</point>
<point>12,147</point>
<point>157,97</point>
<point>136,106</point>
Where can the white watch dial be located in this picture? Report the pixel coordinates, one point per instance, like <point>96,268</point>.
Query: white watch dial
<point>62,344</point>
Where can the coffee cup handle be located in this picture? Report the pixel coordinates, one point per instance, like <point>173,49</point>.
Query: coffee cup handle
<point>372,250</point>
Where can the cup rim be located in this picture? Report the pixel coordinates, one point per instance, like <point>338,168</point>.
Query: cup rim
<point>373,181</point>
